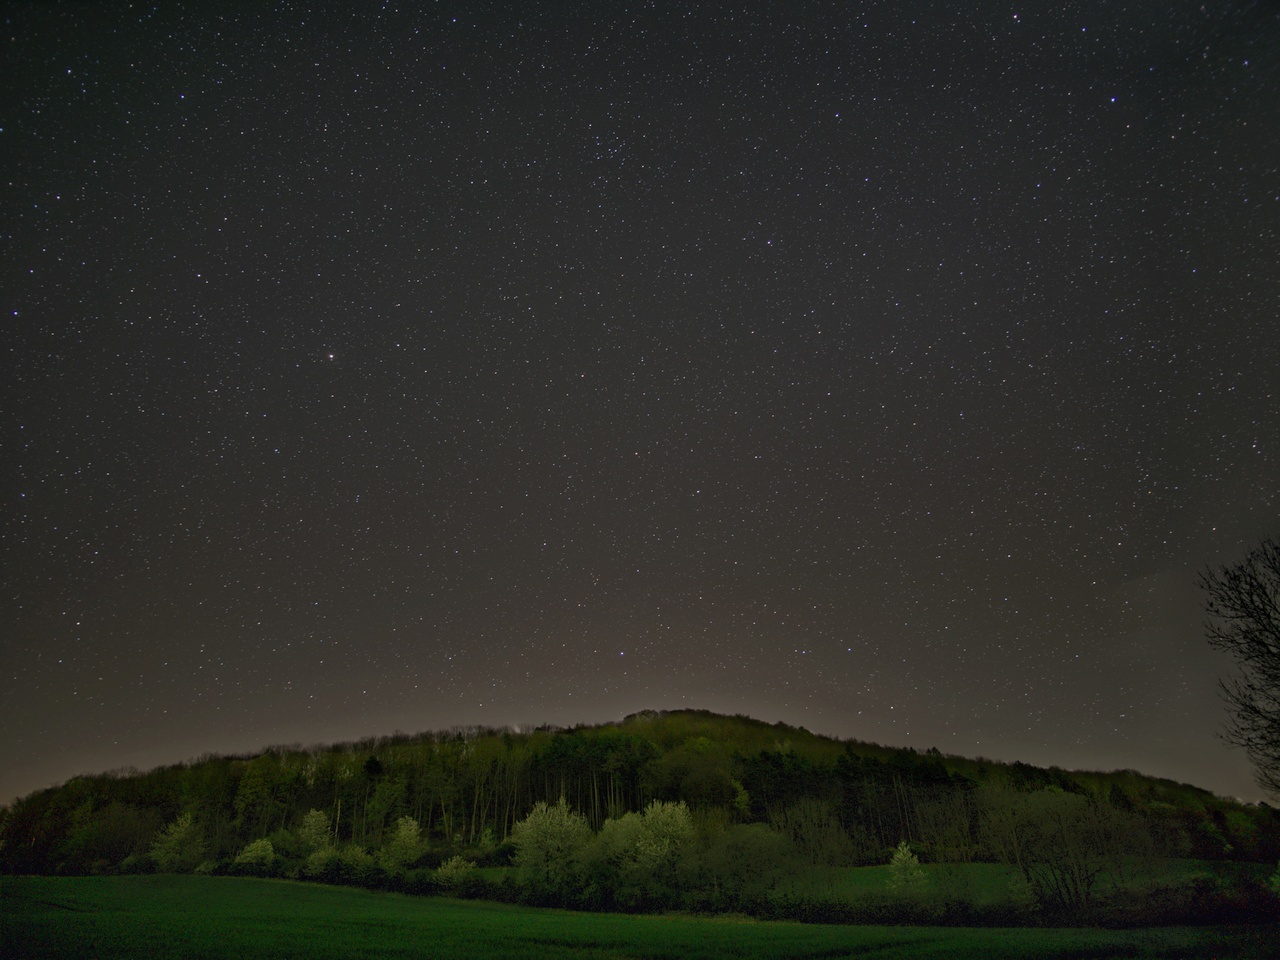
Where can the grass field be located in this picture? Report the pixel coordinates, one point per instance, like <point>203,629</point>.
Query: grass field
<point>213,917</point>
<point>989,883</point>
<point>983,883</point>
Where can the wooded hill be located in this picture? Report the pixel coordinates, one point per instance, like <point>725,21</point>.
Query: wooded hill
<point>839,802</point>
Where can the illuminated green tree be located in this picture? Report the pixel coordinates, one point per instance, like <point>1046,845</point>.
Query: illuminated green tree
<point>257,857</point>
<point>550,844</point>
<point>314,831</point>
<point>906,876</point>
<point>639,855</point>
<point>180,846</point>
<point>403,847</point>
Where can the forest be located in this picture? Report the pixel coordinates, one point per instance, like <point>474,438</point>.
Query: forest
<point>675,809</point>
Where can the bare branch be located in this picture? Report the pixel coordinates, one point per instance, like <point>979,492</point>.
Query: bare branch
<point>1243,604</point>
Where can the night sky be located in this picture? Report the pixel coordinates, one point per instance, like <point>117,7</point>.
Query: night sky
<point>885,368</point>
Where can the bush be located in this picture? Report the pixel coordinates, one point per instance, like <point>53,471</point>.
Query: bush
<point>287,846</point>
<point>138,863</point>
<point>351,865</point>
<point>323,865</point>
<point>454,873</point>
<point>257,859</point>
<point>500,856</point>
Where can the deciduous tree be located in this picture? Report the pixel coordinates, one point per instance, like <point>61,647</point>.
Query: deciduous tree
<point>403,846</point>
<point>550,843</point>
<point>639,855</point>
<point>314,832</point>
<point>1062,843</point>
<point>180,846</point>
<point>1243,603</point>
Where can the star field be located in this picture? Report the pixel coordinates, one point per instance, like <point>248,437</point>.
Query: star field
<point>889,369</point>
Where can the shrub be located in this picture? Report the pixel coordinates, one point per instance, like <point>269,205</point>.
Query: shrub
<point>257,859</point>
<point>420,882</point>
<point>138,863</point>
<point>323,865</point>
<point>351,865</point>
<point>454,872</point>
<point>358,867</point>
<point>500,856</point>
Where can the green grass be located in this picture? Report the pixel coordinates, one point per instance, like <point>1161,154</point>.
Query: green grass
<point>982,884</point>
<point>209,917</point>
<point>988,884</point>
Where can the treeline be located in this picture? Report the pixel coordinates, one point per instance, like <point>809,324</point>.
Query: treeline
<point>463,792</point>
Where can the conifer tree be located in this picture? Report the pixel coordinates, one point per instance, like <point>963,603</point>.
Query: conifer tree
<point>906,876</point>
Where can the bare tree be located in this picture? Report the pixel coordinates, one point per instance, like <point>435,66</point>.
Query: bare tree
<point>1063,844</point>
<point>815,830</point>
<point>1243,604</point>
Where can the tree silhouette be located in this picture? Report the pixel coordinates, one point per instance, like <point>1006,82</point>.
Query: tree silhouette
<point>1243,604</point>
